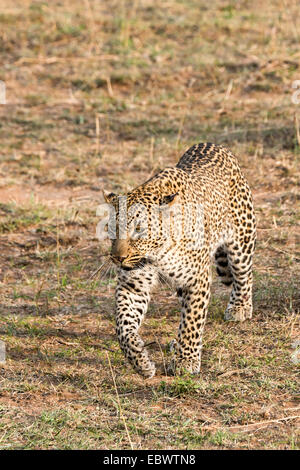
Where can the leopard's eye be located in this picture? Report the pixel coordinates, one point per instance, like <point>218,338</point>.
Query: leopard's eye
<point>139,231</point>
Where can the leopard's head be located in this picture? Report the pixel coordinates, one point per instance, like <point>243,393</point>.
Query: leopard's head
<point>143,219</point>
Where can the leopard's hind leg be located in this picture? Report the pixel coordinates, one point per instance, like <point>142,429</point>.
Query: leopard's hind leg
<point>240,248</point>
<point>239,307</point>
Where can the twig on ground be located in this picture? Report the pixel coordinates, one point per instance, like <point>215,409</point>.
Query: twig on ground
<point>119,402</point>
<point>265,423</point>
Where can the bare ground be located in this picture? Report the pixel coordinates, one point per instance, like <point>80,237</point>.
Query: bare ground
<point>104,94</point>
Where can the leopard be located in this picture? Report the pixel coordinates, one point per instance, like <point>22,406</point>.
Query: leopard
<point>222,232</point>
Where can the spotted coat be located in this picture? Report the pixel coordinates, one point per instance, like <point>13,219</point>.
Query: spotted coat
<point>209,177</point>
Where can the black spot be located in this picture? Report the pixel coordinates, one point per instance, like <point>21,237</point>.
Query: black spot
<point>221,273</point>
<point>131,285</point>
<point>223,264</point>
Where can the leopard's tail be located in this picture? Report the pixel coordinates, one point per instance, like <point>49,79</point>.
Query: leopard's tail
<point>223,268</point>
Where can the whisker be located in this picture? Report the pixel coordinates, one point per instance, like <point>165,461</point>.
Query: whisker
<point>108,268</point>
<point>96,272</point>
<point>103,265</point>
<point>164,281</point>
<point>109,278</point>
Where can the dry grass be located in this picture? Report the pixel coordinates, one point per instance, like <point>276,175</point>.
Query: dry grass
<point>104,94</point>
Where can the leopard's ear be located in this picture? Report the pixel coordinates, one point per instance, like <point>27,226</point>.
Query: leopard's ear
<point>109,197</point>
<point>170,199</point>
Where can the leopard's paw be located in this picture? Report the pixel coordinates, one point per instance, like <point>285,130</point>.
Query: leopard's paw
<point>183,367</point>
<point>238,313</point>
<point>144,366</point>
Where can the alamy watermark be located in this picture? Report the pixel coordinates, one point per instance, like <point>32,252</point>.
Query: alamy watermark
<point>295,356</point>
<point>296,95</point>
<point>157,222</point>
<point>2,352</point>
<point>2,92</point>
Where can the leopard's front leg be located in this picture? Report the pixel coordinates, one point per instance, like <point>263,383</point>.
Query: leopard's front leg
<point>132,299</point>
<point>194,301</point>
